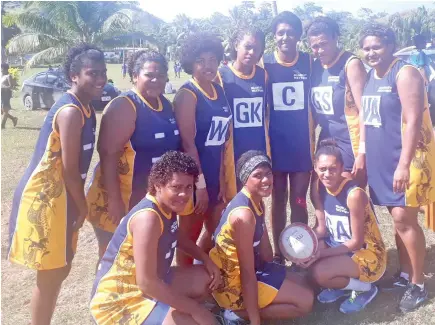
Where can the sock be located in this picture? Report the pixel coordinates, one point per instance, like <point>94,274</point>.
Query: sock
<point>357,285</point>
<point>421,286</point>
<point>404,275</point>
<point>230,315</point>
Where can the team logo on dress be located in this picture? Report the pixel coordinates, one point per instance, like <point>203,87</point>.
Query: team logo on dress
<point>248,112</point>
<point>339,208</point>
<point>300,76</point>
<point>174,226</point>
<point>333,79</point>
<point>385,89</point>
<point>371,110</point>
<point>288,96</point>
<point>257,89</point>
<point>218,131</point>
<point>172,120</point>
<point>321,99</point>
<point>225,109</point>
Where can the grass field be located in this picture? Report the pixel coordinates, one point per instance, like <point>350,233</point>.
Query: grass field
<point>72,308</point>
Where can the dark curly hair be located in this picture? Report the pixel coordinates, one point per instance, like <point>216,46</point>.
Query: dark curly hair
<point>171,162</point>
<point>383,32</point>
<point>238,37</point>
<point>287,17</point>
<point>328,147</point>
<point>196,44</point>
<point>77,56</point>
<point>138,59</point>
<point>323,25</point>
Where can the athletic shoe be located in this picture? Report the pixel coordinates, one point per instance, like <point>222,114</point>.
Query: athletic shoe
<point>413,297</point>
<point>227,317</point>
<point>331,295</point>
<point>394,282</point>
<point>358,300</point>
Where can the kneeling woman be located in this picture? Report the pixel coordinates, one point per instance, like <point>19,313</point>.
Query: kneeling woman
<point>254,288</point>
<point>352,255</point>
<point>135,280</point>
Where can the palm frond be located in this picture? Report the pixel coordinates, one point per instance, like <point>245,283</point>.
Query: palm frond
<point>49,55</point>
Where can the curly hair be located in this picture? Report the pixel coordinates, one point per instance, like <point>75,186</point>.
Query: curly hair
<point>196,44</point>
<point>138,59</point>
<point>323,25</point>
<point>383,32</point>
<point>240,34</point>
<point>287,17</point>
<point>77,56</point>
<point>328,147</point>
<point>171,162</point>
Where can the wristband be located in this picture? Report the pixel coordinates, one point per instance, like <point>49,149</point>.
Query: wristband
<point>200,184</point>
<point>362,147</point>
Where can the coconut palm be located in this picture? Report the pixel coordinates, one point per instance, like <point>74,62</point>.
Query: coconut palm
<point>50,28</point>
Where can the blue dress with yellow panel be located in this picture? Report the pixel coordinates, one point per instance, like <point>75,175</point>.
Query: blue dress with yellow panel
<point>155,133</point>
<point>116,297</point>
<point>43,212</point>
<point>270,276</point>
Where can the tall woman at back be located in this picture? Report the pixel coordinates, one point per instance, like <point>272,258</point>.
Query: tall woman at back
<point>49,203</point>
<point>137,128</point>
<point>244,83</point>
<point>337,81</point>
<point>203,116</point>
<point>400,149</point>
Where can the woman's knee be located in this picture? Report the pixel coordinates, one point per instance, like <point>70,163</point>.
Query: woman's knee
<point>404,218</point>
<point>52,278</point>
<point>318,275</point>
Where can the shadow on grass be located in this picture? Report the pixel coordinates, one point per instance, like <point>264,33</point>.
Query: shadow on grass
<point>382,310</point>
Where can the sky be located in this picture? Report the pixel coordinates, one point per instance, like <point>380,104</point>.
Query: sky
<point>168,9</point>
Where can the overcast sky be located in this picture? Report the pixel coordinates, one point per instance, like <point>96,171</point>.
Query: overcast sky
<point>168,9</point>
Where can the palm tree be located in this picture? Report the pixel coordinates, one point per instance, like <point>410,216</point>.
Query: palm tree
<point>50,28</point>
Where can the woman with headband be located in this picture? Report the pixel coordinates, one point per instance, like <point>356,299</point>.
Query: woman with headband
<point>254,287</point>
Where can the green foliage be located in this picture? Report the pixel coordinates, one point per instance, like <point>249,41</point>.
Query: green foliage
<point>50,28</point>
<point>15,76</point>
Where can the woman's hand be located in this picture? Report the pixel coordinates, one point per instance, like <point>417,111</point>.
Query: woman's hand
<point>214,272</point>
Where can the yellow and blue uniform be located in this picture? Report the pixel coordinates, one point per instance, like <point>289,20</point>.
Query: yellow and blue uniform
<point>334,108</point>
<point>116,296</point>
<point>155,133</point>
<point>246,95</point>
<point>291,128</point>
<point>372,258</point>
<point>212,121</point>
<point>270,276</point>
<point>384,129</point>
<point>43,212</point>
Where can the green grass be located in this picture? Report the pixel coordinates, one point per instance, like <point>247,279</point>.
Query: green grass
<point>72,307</point>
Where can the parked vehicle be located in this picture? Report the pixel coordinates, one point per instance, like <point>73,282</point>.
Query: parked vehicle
<point>43,89</point>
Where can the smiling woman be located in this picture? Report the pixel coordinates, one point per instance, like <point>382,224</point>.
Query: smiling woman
<point>49,203</point>
<point>396,116</point>
<point>137,128</point>
<point>203,115</point>
<point>291,128</point>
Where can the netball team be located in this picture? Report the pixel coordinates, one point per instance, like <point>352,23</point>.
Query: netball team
<point>188,178</point>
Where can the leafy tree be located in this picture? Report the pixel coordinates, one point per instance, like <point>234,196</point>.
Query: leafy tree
<point>50,28</point>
